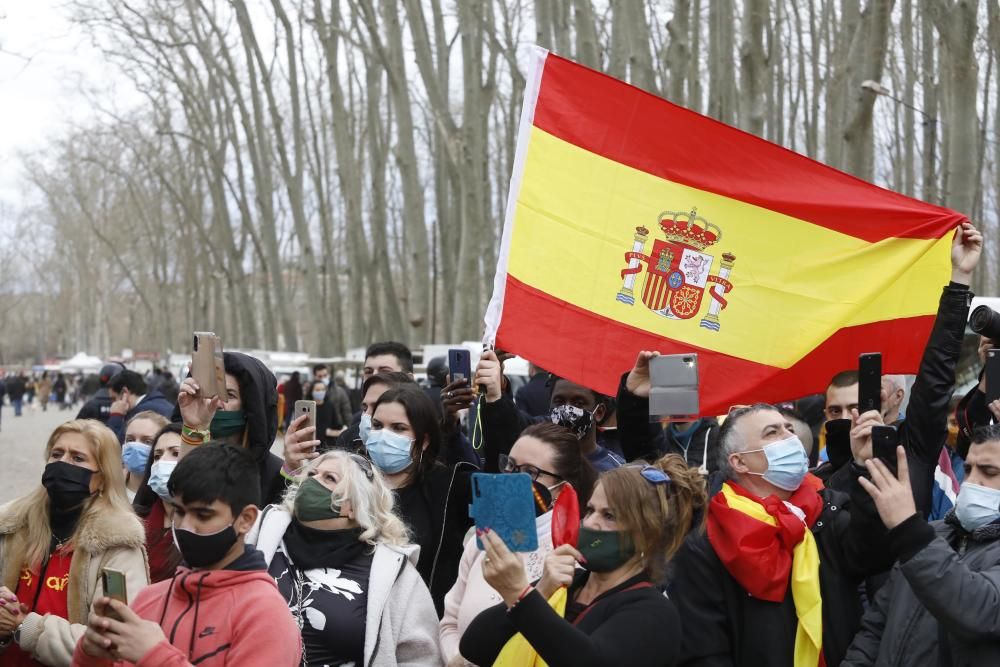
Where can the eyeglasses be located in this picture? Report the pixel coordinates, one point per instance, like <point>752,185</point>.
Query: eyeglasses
<point>653,475</point>
<point>364,464</point>
<point>508,464</point>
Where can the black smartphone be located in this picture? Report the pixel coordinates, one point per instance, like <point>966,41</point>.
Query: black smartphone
<point>838,442</point>
<point>460,364</point>
<point>992,374</point>
<point>870,382</point>
<point>885,439</point>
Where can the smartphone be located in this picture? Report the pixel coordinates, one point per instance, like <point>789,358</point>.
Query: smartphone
<point>505,504</point>
<point>869,382</point>
<point>307,408</point>
<point>208,367</point>
<point>992,374</point>
<point>838,442</point>
<point>459,364</point>
<point>885,439</point>
<point>113,582</point>
<point>674,386</point>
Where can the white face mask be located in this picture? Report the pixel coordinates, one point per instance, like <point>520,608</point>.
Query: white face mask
<point>977,506</point>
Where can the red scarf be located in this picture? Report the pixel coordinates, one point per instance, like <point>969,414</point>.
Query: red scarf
<point>758,555</point>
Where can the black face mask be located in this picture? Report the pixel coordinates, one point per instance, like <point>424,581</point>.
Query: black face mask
<point>203,550</point>
<point>543,498</point>
<point>68,485</point>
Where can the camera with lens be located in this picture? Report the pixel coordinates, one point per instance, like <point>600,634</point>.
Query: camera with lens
<point>986,322</point>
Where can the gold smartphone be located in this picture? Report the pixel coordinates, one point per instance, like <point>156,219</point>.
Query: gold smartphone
<point>113,582</point>
<point>208,367</point>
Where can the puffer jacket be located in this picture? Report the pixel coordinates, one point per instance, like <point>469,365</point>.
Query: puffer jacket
<point>108,538</point>
<point>939,606</point>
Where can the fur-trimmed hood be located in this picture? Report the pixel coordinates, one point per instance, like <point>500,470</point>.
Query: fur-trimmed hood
<point>97,532</point>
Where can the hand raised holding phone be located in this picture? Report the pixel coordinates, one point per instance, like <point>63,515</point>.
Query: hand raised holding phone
<point>197,412</point>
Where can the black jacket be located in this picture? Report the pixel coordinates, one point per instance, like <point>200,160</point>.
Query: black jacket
<point>535,396</point>
<point>632,624</point>
<point>153,401</point>
<point>724,626</point>
<point>259,397</point>
<point>436,509</point>
<point>971,413</point>
<point>97,408</point>
<point>925,429</point>
<point>16,387</point>
<point>940,605</point>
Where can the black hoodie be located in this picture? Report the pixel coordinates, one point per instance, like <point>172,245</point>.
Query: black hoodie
<point>259,397</point>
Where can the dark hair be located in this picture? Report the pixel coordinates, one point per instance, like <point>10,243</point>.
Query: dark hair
<point>390,380</point>
<point>569,463</point>
<point>423,417</point>
<point>312,385</point>
<point>398,350</point>
<point>128,380</point>
<point>554,379</point>
<point>319,367</point>
<point>145,496</point>
<point>217,471</point>
<point>844,379</point>
<point>985,434</point>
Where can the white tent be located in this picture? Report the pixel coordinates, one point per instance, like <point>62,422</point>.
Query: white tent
<point>81,362</point>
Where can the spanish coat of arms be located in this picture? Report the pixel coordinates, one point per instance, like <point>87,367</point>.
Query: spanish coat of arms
<point>678,270</point>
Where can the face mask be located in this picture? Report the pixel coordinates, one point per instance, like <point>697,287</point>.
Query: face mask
<point>365,427</point>
<point>543,497</point>
<point>977,506</point>
<point>605,550</point>
<point>577,420</point>
<point>315,502</point>
<point>389,451</point>
<point>204,550</point>
<point>134,456</point>
<point>159,475</point>
<point>787,463</point>
<point>68,485</point>
<point>227,422</point>
<point>318,396</point>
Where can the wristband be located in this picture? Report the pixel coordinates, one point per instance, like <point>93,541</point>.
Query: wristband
<point>195,434</point>
<point>520,597</point>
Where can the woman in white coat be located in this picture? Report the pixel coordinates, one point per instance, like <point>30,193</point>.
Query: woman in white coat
<point>550,454</point>
<point>343,562</point>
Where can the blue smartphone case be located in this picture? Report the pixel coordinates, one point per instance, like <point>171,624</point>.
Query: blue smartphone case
<point>506,505</point>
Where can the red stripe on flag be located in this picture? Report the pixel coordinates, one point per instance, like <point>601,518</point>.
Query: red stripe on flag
<point>594,351</point>
<point>606,116</point>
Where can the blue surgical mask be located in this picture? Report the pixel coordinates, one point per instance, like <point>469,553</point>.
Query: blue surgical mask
<point>977,506</point>
<point>159,475</point>
<point>365,427</point>
<point>389,451</point>
<point>318,396</point>
<point>787,463</point>
<point>134,456</point>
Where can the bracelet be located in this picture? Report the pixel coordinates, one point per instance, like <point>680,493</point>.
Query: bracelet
<point>199,434</point>
<point>191,442</point>
<point>520,597</point>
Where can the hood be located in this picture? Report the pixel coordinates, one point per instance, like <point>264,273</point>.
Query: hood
<point>203,584</point>
<point>259,392</point>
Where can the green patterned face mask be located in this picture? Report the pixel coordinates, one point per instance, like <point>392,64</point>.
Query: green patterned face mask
<point>315,502</point>
<point>605,550</point>
<point>228,422</point>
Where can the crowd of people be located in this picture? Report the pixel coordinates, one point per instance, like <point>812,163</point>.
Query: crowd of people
<point>773,535</point>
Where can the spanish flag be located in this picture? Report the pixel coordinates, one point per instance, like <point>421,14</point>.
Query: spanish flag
<point>634,224</point>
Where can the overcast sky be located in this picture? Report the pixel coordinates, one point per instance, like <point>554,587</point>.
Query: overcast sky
<point>45,65</point>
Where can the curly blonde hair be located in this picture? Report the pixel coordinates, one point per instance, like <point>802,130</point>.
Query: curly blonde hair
<point>370,497</point>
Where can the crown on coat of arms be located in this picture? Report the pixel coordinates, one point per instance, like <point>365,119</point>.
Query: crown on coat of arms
<point>681,227</point>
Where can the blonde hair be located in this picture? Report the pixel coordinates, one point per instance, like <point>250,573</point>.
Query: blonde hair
<point>371,499</point>
<point>154,417</point>
<point>110,496</point>
<point>658,516</point>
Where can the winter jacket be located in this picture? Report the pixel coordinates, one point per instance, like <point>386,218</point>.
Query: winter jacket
<point>471,595</point>
<point>925,429</point>
<point>971,413</point>
<point>259,396</point>
<point>400,623</point>
<point>724,626</point>
<point>233,617</point>
<point>108,538</point>
<point>153,401</point>
<point>16,386</point>
<point>940,605</point>
<point>98,407</point>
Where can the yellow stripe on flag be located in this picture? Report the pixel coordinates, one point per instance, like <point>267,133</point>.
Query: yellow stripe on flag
<point>794,283</point>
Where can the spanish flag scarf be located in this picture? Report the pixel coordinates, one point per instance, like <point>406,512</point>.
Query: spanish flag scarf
<point>764,544</point>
